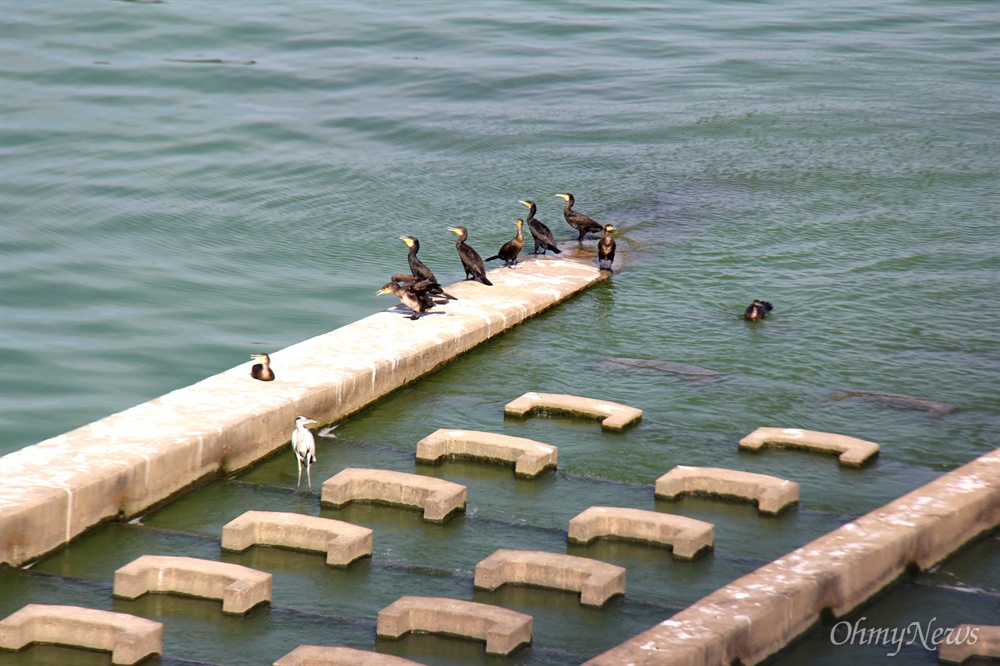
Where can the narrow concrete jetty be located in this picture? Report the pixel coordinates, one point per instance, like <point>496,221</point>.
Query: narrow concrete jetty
<point>771,494</point>
<point>130,639</point>
<point>121,465</point>
<point>438,498</point>
<point>970,640</point>
<point>852,452</point>
<point>612,415</point>
<point>342,542</point>
<point>686,537</point>
<point>321,655</point>
<point>596,581</point>
<point>503,630</point>
<point>240,588</point>
<point>530,458</point>
<point>757,615</point>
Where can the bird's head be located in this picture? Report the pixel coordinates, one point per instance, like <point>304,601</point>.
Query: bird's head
<point>609,228</point>
<point>457,230</point>
<point>387,288</point>
<point>527,202</point>
<point>565,196</point>
<point>302,422</point>
<point>263,358</point>
<point>519,222</point>
<point>409,240</point>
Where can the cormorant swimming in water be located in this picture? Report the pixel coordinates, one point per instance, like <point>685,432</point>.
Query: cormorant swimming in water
<point>511,248</point>
<point>578,221</point>
<point>262,370</point>
<point>472,262</point>
<point>419,269</point>
<point>541,233</point>
<point>414,294</point>
<point>757,310</point>
<point>304,446</point>
<point>606,249</point>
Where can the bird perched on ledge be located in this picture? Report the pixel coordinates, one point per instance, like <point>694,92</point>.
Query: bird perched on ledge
<point>304,446</point>
<point>262,370</point>
<point>413,293</point>
<point>472,261</point>
<point>606,250</point>
<point>539,230</point>
<point>578,221</point>
<point>757,310</point>
<point>509,251</point>
<point>418,269</point>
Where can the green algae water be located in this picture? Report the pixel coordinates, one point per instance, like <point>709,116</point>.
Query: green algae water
<point>183,184</point>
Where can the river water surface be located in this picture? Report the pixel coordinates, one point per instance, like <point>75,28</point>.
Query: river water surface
<point>184,183</point>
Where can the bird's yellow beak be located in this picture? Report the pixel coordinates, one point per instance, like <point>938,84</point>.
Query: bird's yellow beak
<point>381,291</point>
<point>563,196</point>
<point>524,203</point>
<point>519,222</point>
<point>408,241</point>
<point>454,231</point>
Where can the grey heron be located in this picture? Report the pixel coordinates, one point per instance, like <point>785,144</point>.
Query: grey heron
<point>304,446</point>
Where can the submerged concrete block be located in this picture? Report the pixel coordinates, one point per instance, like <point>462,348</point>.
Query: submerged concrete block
<point>240,588</point>
<point>503,630</point>
<point>130,639</point>
<point>342,542</point>
<point>595,581</point>
<point>613,416</point>
<point>771,494</point>
<point>970,640</point>
<point>322,655</point>
<point>852,452</point>
<point>438,498</point>
<point>758,614</point>
<point>530,458</point>
<point>686,536</point>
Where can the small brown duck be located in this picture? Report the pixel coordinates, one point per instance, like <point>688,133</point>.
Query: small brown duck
<point>757,310</point>
<point>511,248</point>
<point>262,370</point>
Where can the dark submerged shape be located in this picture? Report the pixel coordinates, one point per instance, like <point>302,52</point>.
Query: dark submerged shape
<point>262,370</point>
<point>578,221</point>
<point>509,251</point>
<point>472,262</point>
<point>606,250</point>
<point>413,293</point>
<point>539,231</point>
<point>757,310</point>
<point>418,269</point>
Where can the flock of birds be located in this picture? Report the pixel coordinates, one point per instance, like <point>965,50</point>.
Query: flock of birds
<point>420,291</point>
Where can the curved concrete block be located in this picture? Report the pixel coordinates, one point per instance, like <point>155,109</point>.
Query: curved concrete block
<point>342,542</point>
<point>686,536</point>
<point>530,458</point>
<point>970,640</point>
<point>322,655</point>
<point>595,581</point>
<point>240,588</point>
<point>613,416</point>
<point>771,494</point>
<point>853,452</point>
<point>437,497</point>
<point>504,630</point>
<point>130,639</point>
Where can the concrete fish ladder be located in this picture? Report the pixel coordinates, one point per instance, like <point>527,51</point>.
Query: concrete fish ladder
<point>121,465</point>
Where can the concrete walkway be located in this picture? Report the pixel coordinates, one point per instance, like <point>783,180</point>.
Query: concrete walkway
<point>121,465</point>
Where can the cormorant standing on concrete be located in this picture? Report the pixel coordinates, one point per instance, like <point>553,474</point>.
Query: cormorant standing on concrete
<point>418,269</point>
<point>262,370</point>
<point>304,446</point>
<point>472,262</point>
<point>606,249</point>
<point>509,251</point>
<point>757,310</point>
<point>578,221</point>
<point>413,293</point>
<point>539,231</point>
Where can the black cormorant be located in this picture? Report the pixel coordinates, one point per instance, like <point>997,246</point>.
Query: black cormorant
<point>472,262</point>
<point>539,231</point>
<point>418,269</point>
<point>757,310</point>
<point>578,221</point>
<point>509,251</point>
<point>262,370</point>
<point>413,293</point>
<point>606,249</point>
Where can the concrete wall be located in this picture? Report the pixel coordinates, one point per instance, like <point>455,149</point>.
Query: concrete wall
<point>758,614</point>
<point>121,465</point>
